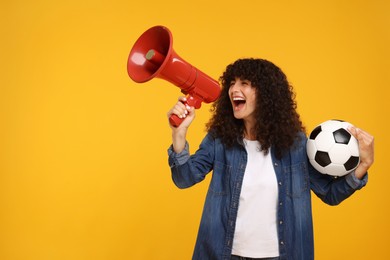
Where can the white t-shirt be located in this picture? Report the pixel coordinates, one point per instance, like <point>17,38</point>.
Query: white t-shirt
<point>256,230</point>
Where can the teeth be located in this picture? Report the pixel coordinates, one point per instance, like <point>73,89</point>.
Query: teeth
<point>238,98</point>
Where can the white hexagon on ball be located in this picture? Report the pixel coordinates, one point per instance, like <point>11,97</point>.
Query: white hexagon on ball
<point>339,153</point>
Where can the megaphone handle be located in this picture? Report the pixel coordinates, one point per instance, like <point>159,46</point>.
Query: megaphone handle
<point>174,120</point>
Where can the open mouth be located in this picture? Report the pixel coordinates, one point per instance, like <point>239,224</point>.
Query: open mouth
<point>238,103</point>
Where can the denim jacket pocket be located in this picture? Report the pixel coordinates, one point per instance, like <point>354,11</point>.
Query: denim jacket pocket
<point>297,179</point>
<point>220,178</point>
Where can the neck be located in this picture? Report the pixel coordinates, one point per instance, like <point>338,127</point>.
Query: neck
<point>248,132</point>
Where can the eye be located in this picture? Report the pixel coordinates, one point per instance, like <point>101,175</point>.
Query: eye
<point>232,83</point>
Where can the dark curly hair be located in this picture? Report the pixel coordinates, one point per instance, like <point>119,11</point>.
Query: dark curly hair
<point>277,121</point>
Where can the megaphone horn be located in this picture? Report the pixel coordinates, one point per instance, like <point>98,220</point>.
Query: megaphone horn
<point>153,56</point>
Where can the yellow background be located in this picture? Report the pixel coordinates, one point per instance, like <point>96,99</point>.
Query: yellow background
<point>83,162</point>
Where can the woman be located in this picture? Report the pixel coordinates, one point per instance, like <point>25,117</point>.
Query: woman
<point>258,204</point>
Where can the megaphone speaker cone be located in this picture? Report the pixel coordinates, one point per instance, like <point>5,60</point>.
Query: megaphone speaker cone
<point>149,53</point>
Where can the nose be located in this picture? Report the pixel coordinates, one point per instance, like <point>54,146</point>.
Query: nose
<point>235,87</point>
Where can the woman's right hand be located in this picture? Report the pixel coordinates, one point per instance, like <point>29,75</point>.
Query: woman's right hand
<point>182,110</point>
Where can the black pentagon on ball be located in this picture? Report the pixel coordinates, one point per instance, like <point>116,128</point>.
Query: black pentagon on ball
<point>322,158</point>
<point>315,132</point>
<point>351,163</point>
<point>341,136</point>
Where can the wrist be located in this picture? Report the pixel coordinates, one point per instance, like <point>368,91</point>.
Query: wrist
<point>361,170</point>
<point>178,140</point>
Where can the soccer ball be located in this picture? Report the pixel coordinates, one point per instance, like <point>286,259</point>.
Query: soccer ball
<point>331,149</point>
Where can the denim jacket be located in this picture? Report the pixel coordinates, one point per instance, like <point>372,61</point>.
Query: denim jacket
<point>295,177</point>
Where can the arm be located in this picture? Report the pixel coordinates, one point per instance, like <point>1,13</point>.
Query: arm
<point>188,170</point>
<point>334,190</point>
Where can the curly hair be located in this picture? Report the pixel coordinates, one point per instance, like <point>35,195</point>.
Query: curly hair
<point>277,121</point>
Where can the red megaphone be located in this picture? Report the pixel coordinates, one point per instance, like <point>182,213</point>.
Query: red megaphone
<point>153,56</point>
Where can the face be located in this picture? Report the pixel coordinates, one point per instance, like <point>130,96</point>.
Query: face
<point>243,98</point>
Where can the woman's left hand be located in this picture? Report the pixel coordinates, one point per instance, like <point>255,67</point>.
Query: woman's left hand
<point>366,150</point>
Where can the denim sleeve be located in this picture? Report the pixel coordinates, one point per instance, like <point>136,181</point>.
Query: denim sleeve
<point>187,169</point>
<point>354,182</point>
<point>175,159</point>
<point>333,190</point>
